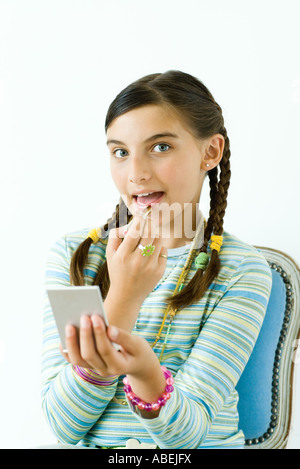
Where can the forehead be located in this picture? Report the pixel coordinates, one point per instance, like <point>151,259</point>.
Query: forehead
<point>142,122</point>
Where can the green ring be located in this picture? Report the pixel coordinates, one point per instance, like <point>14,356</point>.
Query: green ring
<point>148,250</point>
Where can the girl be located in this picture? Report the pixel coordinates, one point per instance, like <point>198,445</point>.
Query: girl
<point>185,300</point>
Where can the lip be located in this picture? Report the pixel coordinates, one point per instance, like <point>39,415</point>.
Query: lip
<point>145,192</point>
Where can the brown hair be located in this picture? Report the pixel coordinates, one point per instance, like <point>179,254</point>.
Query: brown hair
<point>188,96</point>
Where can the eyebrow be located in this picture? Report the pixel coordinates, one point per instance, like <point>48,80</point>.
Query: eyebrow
<point>149,139</point>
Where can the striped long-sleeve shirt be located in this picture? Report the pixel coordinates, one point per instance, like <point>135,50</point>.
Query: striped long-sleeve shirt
<point>208,347</point>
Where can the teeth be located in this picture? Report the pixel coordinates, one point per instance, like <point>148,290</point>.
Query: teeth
<point>143,195</point>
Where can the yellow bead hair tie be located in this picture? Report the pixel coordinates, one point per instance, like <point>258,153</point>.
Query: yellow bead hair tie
<point>94,235</point>
<point>216,242</point>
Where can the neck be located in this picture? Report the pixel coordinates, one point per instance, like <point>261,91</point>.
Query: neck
<point>172,243</point>
<point>180,232</point>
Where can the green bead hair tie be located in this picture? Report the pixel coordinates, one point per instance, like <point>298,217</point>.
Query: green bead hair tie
<point>201,260</point>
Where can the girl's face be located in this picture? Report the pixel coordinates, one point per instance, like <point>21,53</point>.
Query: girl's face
<point>153,152</point>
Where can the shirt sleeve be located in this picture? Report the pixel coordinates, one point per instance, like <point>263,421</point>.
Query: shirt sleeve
<point>71,404</point>
<point>217,360</point>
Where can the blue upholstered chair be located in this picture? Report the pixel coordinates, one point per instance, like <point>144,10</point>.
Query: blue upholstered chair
<point>266,385</point>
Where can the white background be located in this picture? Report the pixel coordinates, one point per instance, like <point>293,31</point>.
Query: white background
<point>61,64</point>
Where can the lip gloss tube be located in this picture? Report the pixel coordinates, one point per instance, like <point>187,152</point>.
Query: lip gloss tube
<point>145,213</point>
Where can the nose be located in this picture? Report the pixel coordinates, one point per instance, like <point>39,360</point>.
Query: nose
<point>139,171</point>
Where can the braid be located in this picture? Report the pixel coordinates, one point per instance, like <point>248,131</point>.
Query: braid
<point>213,182</point>
<point>197,286</point>
<point>119,218</point>
<point>78,261</point>
<point>223,186</point>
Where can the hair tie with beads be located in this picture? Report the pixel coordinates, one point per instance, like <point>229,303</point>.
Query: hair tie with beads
<point>94,235</point>
<point>201,261</point>
<point>216,242</point>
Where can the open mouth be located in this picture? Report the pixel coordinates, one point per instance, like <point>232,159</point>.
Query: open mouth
<point>147,199</point>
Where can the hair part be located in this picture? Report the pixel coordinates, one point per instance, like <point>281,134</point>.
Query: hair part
<point>190,98</point>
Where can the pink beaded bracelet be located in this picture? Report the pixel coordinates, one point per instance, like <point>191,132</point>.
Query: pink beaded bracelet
<point>135,400</point>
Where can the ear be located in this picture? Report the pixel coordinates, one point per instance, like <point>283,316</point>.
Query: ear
<point>213,152</point>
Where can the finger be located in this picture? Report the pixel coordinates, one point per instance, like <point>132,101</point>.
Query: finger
<point>151,247</point>
<point>151,228</point>
<point>145,213</point>
<point>102,342</point>
<point>163,255</point>
<point>113,360</point>
<point>134,234</point>
<point>148,233</point>
<point>124,229</point>
<point>73,349</point>
<point>64,353</point>
<point>128,342</point>
<point>160,252</point>
<point>87,344</point>
<point>114,241</point>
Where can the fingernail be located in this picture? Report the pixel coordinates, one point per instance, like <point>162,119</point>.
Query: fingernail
<point>113,332</point>
<point>84,321</point>
<point>96,320</point>
<point>69,331</point>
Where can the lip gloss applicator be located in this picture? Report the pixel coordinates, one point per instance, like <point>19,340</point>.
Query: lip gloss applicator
<point>145,213</point>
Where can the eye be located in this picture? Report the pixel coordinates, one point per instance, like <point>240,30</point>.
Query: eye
<point>161,147</point>
<point>119,153</point>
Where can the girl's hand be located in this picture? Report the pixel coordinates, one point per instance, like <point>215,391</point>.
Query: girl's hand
<point>132,275</point>
<point>92,348</point>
